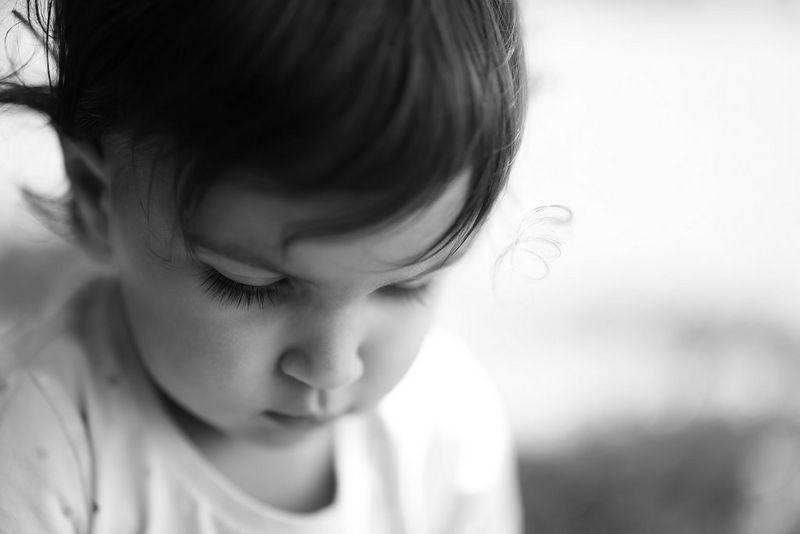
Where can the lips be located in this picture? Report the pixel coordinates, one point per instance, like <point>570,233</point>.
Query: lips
<point>298,420</point>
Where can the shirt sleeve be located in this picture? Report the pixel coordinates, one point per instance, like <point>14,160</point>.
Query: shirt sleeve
<point>44,458</point>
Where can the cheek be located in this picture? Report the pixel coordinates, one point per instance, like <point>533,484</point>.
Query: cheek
<point>192,346</point>
<point>163,295</point>
<point>210,360</point>
<point>392,348</point>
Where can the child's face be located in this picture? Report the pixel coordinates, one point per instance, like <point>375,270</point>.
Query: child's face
<point>342,317</point>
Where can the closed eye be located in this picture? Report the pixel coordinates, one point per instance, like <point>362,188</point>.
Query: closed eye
<point>232,293</point>
<point>414,293</point>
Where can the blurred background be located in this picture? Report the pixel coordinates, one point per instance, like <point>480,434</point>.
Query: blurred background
<point>648,348</point>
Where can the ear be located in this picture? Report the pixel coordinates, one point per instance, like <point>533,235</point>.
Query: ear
<point>90,181</point>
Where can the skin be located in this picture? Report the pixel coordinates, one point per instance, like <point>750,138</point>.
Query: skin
<point>260,385</point>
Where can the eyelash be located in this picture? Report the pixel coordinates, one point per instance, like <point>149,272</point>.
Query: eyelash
<point>407,294</point>
<point>232,293</point>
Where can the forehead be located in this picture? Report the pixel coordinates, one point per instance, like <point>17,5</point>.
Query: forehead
<point>247,222</point>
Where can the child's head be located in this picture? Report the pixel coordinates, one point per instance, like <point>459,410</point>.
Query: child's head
<point>270,179</point>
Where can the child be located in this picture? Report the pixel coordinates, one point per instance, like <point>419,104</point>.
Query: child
<point>274,187</point>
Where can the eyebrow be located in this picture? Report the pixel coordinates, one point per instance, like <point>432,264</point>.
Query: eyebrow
<point>247,257</point>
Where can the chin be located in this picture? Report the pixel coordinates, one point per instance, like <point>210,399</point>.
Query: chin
<point>279,437</point>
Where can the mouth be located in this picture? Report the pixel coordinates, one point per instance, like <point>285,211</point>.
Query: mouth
<point>298,420</point>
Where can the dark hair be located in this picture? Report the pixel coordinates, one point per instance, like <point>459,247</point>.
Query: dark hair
<point>389,99</point>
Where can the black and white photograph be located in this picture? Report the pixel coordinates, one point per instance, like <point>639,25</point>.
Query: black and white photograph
<point>400,267</point>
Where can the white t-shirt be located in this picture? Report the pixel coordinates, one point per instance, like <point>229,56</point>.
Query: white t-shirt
<point>85,446</point>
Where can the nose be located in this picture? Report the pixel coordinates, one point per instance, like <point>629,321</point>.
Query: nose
<point>325,354</point>
<point>324,372</point>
